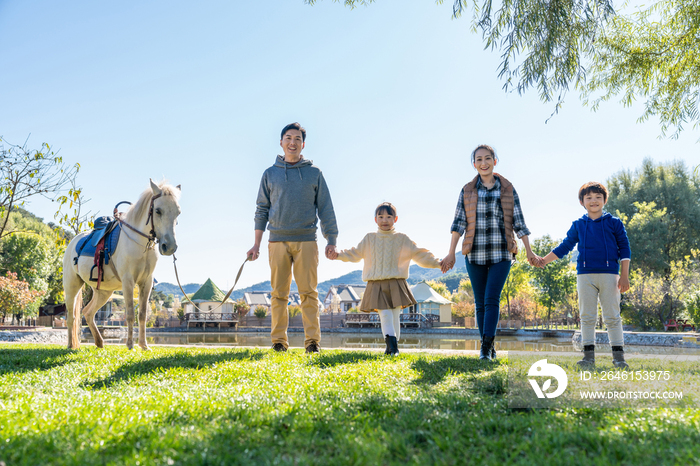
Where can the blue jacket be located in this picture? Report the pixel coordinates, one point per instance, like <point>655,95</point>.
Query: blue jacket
<point>602,243</point>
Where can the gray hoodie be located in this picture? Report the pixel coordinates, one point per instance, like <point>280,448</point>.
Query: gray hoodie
<point>289,199</point>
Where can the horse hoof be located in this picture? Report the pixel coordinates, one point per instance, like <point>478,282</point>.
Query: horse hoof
<point>99,344</point>
<point>130,345</point>
<point>145,348</point>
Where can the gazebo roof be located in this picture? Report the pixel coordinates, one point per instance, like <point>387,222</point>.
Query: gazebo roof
<point>424,293</point>
<point>209,292</point>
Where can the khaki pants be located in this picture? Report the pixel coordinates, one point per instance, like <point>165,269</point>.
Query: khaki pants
<point>303,258</point>
<point>592,288</point>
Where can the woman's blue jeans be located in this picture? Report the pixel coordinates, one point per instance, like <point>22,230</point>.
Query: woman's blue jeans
<point>487,283</point>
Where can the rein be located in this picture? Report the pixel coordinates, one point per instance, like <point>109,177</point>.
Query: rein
<point>225,297</point>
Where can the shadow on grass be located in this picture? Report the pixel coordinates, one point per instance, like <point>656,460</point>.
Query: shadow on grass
<point>434,371</point>
<point>29,359</point>
<point>326,359</point>
<point>185,360</point>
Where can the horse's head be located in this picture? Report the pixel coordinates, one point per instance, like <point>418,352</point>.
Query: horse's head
<point>165,212</point>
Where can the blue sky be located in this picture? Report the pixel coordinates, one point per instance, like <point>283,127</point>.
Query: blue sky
<point>394,97</point>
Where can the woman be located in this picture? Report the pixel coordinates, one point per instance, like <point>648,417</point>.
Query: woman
<point>489,211</point>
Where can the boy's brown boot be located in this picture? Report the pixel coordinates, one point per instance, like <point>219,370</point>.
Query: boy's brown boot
<point>588,356</point>
<point>619,357</point>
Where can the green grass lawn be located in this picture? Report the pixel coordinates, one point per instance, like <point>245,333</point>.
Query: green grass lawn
<point>203,406</point>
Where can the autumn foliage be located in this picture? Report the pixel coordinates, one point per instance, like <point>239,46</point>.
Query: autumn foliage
<point>15,295</point>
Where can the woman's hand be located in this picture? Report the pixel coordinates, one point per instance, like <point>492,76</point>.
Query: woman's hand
<point>534,259</point>
<point>447,263</point>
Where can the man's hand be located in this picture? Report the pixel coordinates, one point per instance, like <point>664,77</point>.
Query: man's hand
<point>254,252</point>
<point>331,252</point>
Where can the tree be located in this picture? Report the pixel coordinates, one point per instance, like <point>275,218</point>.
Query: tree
<point>241,308</point>
<point>26,173</point>
<point>260,312</point>
<point>647,54</point>
<point>15,296</point>
<point>294,311</point>
<point>653,300</point>
<point>169,301</point>
<point>556,280</point>
<point>452,280</point>
<point>692,305</point>
<point>464,292</point>
<point>440,288</point>
<point>32,253</point>
<point>518,278</point>
<point>659,206</point>
<point>74,218</point>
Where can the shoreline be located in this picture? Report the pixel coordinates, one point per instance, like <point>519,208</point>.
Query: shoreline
<point>654,339</point>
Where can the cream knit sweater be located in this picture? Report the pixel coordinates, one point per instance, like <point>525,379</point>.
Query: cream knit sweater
<point>387,254</point>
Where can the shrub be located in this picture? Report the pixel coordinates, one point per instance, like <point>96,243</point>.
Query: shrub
<point>692,305</point>
<point>260,312</point>
<point>294,311</point>
<point>464,308</point>
<point>241,308</point>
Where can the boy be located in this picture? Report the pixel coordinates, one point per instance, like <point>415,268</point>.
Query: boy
<point>603,253</point>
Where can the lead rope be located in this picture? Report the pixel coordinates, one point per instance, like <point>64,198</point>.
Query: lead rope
<point>225,297</point>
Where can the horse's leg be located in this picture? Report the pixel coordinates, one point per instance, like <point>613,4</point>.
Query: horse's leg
<point>128,291</point>
<point>72,287</point>
<point>144,295</point>
<point>99,299</point>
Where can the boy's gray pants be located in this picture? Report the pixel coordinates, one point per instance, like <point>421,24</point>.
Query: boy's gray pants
<point>593,287</point>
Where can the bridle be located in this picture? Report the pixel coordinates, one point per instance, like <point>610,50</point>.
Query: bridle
<point>151,236</point>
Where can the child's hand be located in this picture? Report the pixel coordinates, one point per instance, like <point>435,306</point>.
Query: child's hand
<point>535,260</point>
<point>447,263</point>
<point>623,284</point>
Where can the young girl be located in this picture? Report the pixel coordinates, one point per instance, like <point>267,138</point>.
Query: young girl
<point>387,255</point>
<point>489,211</point>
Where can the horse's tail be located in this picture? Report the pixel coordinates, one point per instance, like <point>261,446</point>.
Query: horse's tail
<point>73,321</point>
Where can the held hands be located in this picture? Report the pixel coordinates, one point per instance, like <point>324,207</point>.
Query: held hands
<point>535,260</point>
<point>331,253</point>
<point>447,263</point>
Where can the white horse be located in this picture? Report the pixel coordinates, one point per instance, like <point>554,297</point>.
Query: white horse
<point>134,260</point>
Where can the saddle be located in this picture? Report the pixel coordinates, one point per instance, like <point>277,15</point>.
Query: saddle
<point>100,244</point>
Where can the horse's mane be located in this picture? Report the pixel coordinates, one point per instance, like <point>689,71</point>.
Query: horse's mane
<point>141,206</point>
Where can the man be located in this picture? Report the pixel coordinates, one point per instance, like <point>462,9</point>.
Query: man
<point>293,195</point>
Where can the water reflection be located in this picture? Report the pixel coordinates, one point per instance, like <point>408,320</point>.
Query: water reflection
<point>369,341</point>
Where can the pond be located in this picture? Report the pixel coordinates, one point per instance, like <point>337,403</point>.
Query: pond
<point>376,341</point>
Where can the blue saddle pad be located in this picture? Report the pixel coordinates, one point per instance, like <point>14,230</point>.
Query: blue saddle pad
<point>88,244</point>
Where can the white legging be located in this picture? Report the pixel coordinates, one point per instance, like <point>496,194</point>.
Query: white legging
<point>391,325</point>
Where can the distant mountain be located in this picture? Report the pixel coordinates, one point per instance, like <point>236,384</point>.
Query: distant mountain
<point>169,288</point>
<point>416,275</point>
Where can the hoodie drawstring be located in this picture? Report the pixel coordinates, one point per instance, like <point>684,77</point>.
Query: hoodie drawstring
<point>286,165</point>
